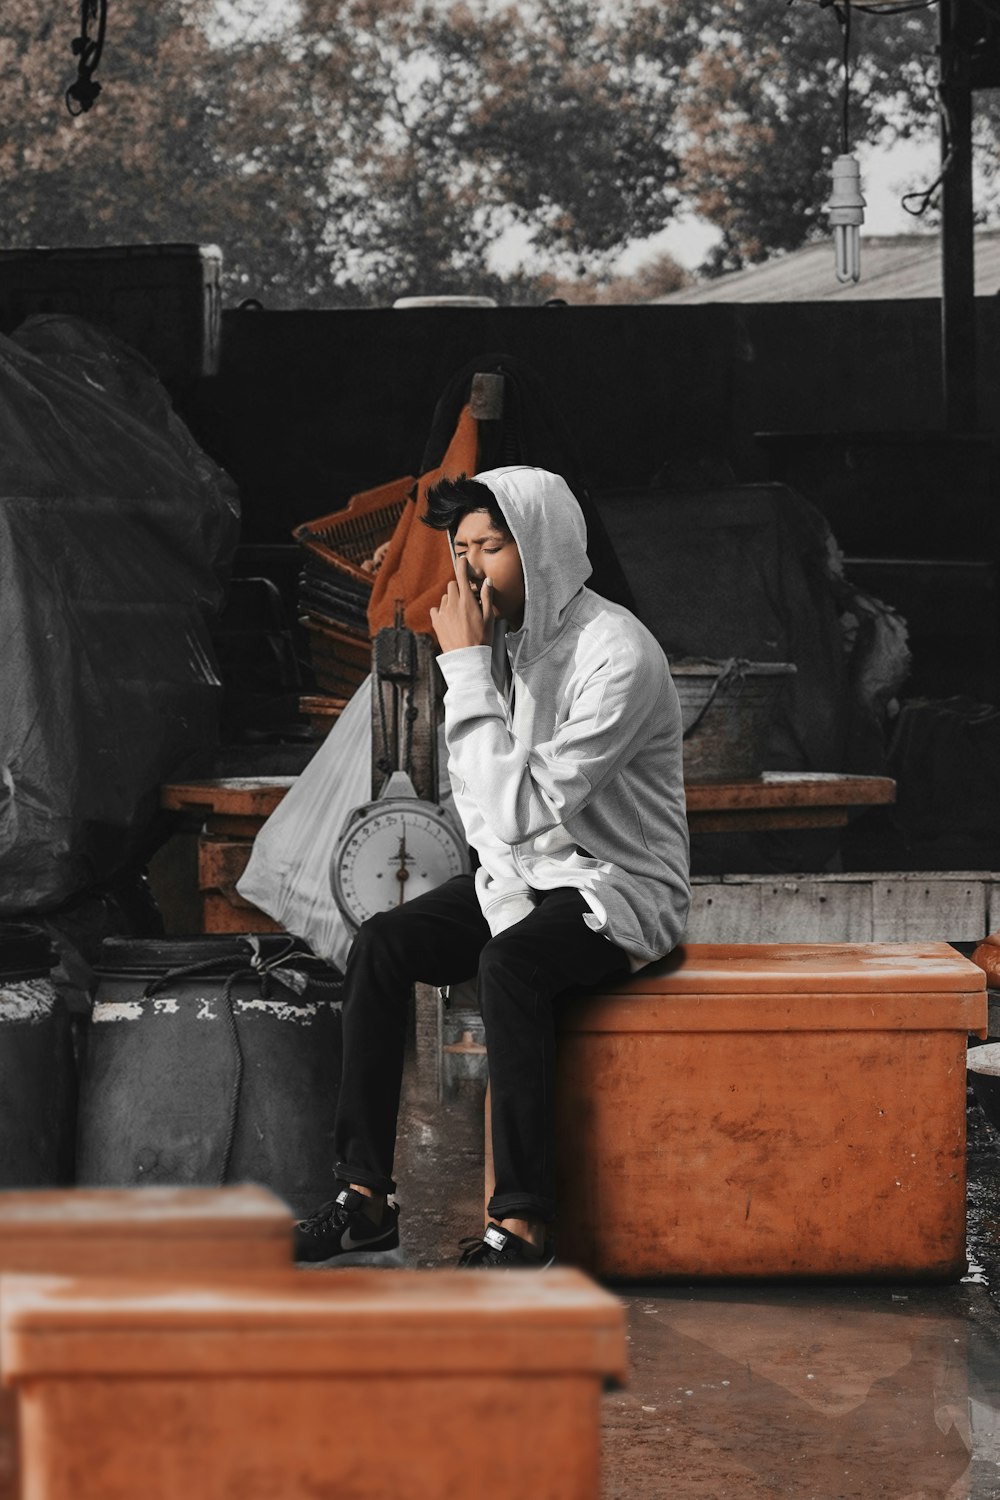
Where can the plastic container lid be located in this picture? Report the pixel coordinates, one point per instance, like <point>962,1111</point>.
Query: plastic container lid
<point>173,1211</point>
<point>105,1231</point>
<point>792,987</point>
<point>445,301</point>
<point>123,956</point>
<point>362,1321</point>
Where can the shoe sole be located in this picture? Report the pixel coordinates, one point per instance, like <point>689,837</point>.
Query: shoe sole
<point>390,1259</point>
<point>516,1265</point>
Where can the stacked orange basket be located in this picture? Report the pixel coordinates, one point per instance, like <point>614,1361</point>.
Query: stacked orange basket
<point>343,551</point>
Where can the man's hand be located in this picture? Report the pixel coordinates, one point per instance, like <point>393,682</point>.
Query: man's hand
<point>462,619</point>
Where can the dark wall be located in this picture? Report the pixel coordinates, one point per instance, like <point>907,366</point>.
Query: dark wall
<point>311,406</point>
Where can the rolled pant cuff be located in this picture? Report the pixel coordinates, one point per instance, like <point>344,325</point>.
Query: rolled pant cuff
<point>365,1178</point>
<point>517,1206</point>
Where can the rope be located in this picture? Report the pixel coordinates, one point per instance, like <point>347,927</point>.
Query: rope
<point>731,671</point>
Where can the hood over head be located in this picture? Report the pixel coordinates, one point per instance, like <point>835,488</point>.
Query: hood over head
<point>547,524</point>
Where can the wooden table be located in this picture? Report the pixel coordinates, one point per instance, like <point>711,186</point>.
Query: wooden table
<point>776,799</point>
<point>230,804</point>
<point>784,799</point>
<point>235,807</point>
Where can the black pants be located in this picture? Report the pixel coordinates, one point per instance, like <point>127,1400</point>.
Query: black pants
<point>442,938</point>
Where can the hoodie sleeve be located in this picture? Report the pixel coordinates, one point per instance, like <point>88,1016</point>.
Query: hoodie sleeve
<point>522,791</point>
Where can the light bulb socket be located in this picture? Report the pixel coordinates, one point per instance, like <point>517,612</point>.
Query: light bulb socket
<point>846,205</point>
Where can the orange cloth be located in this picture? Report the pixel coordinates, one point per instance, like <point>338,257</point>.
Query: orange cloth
<point>417,568</point>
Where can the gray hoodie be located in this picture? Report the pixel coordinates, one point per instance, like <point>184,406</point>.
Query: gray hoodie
<point>564,741</point>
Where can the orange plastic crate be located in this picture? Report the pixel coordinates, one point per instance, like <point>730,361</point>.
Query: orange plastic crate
<point>164,1231</point>
<point>769,1110</point>
<point>346,538</point>
<point>358,1383</point>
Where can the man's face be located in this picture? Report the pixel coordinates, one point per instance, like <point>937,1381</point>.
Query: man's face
<point>490,553</point>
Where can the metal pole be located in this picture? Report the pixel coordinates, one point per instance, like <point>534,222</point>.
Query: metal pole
<point>958,301</point>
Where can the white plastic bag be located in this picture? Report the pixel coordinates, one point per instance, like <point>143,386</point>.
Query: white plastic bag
<point>288,874</point>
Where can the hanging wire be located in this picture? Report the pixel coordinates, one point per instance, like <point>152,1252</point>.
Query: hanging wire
<point>895,10</point>
<point>917,202</point>
<point>922,198</point>
<point>843,14</point>
<point>83,92</point>
<point>887,9</point>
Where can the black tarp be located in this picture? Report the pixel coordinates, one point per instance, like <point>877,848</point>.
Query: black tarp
<point>115,534</point>
<point>752,571</point>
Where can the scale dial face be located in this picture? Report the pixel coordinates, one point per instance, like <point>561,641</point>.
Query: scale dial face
<point>391,851</point>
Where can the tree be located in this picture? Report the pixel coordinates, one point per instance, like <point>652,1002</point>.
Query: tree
<point>362,149</point>
<point>454,123</point>
<point>651,279</point>
<point>577,120</point>
<point>761,112</point>
<point>189,141</point>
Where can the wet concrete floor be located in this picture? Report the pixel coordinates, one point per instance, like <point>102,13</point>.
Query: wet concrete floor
<point>874,1391</point>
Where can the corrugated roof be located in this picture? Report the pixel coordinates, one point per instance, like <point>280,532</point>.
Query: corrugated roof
<point>901,265</point>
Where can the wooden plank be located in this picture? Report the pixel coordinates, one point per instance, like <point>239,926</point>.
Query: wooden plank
<point>780,909</point>
<point>812,911</point>
<point>944,906</point>
<point>786,789</point>
<point>910,907</point>
<point>992,903</point>
<point>231,796</point>
<point>723,913</point>
<point>229,913</point>
<point>221,862</point>
<point>737,820</point>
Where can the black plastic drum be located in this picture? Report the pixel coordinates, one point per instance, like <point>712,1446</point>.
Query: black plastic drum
<point>37,1072</point>
<point>212,1060</point>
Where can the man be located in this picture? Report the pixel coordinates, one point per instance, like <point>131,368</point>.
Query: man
<point>564,742</point>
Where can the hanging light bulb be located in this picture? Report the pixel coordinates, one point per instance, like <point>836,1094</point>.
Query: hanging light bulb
<point>847,214</point>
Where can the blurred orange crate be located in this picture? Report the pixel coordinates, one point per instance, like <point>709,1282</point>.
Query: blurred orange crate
<point>121,1231</point>
<point>360,1383</point>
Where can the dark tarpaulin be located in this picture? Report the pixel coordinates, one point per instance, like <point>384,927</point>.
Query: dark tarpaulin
<point>945,756</point>
<point>752,571</point>
<point>115,534</point>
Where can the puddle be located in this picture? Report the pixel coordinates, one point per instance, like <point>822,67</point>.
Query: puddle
<point>806,1394</point>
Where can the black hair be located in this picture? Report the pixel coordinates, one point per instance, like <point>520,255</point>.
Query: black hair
<point>450,500</point>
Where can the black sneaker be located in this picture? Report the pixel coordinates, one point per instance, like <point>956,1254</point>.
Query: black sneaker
<point>341,1233</point>
<point>501,1249</point>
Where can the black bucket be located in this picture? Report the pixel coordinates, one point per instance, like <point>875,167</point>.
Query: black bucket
<point>37,1072</point>
<point>212,1060</point>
